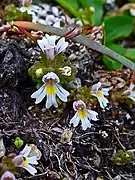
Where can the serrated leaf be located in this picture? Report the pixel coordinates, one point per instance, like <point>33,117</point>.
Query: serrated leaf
<point>130,53</point>
<point>118,27</point>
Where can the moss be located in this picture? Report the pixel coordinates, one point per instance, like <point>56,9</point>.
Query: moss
<point>122,158</point>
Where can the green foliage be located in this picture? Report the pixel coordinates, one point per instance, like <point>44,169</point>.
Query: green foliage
<point>11,13</point>
<point>122,158</point>
<point>46,65</point>
<point>71,6</point>
<point>81,9</point>
<point>83,93</point>
<point>110,63</point>
<point>18,142</point>
<point>98,9</point>
<point>118,27</point>
<point>130,53</point>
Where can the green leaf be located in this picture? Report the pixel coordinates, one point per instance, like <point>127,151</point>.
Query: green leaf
<point>118,26</point>
<point>18,142</point>
<point>98,6</point>
<point>110,63</point>
<point>71,6</point>
<point>130,53</point>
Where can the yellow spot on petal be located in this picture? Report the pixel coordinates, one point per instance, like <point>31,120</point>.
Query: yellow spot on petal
<point>25,161</point>
<point>100,94</point>
<point>51,89</point>
<point>82,114</point>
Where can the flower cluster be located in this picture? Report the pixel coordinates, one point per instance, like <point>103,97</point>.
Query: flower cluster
<point>50,89</point>
<point>26,159</point>
<point>99,93</point>
<point>82,114</point>
<point>49,46</point>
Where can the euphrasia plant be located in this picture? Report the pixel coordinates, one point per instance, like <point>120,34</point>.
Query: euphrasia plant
<point>13,164</point>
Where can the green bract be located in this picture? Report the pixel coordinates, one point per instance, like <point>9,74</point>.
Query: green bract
<point>42,67</point>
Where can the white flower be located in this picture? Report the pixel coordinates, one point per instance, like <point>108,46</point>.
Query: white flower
<point>84,115</point>
<point>50,89</point>
<point>24,160</point>
<point>8,175</point>
<point>66,70</point>
<point>24,9</point>
<point>130,92</point>
<point>26,6</point>
<point>99,93</point>
<point>50,47</point>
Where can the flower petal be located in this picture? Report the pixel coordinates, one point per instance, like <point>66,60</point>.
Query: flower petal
<point>96,87</point>
<point>43,43</point>
<point>61,45</point>
<point>105,91</point>
<point>50,53</point>
<point>25,152</point>
<point>92,115</point>
<point>54,102</point>
<point>40,97</point>
<point>18,160</point>
<point>132,98</point>
<point>30,169</point>
<point>51,41</point>
<point>75,120</point>
<point>8,175</point>
<point>50,75</point>
<point>48,101</point>
<point>62,93</point>
<point>32,160</point>
<point>77,103</point>
<point>38,92</point>
<point>85,123</point>
<point>23,9</point>
<point>103,102</point>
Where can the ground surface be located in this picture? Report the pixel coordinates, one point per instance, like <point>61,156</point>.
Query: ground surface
<point>89,155</point>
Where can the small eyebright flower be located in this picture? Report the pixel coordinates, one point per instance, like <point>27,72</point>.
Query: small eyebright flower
<point>50,89</point>
<point>26,6</point>
<point>50,47</point>
<point>84,115</point>
<point>24,160</point>
<point>8,175</point>
<point>130,92</point>
<point>99,93</point>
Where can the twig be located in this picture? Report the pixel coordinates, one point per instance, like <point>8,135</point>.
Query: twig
<point>119,142</point>
<point>110,177</point>
<point>79,39</point>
